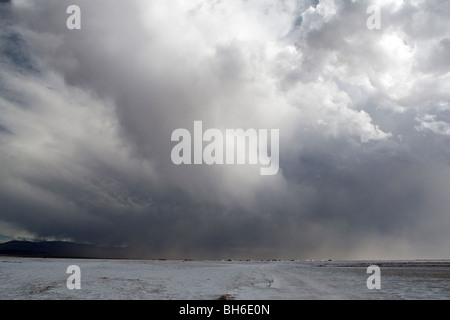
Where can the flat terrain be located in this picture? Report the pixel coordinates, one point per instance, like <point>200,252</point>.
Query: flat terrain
<point>39,278</point>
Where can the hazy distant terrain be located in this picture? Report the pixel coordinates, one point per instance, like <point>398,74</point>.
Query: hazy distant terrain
<point>59,249</point>
<point>38,278</point>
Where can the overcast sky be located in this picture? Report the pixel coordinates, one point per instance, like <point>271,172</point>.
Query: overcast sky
<point>86,118</point>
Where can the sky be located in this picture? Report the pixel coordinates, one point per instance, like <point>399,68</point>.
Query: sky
<point>363,114</point>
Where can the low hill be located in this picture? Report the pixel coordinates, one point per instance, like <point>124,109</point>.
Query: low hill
<point>59,249</point>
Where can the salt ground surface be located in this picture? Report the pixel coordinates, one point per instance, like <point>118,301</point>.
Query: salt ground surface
<point>26,278</point>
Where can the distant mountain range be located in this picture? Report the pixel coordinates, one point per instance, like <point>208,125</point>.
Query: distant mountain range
<point>60,249</point>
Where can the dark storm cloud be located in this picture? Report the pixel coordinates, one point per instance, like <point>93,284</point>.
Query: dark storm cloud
<point>87,115</point>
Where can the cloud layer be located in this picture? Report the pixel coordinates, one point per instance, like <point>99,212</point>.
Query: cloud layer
<point>87,116</point>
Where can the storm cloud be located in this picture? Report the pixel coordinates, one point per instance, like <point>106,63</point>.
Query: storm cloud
<point>86,118</point>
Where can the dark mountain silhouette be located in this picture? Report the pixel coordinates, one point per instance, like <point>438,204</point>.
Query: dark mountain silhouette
<point>60,249</point>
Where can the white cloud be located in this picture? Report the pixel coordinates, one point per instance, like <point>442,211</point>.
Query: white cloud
<point>430,123</point>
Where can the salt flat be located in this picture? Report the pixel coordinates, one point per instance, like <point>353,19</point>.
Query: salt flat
<point>36,278</point>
